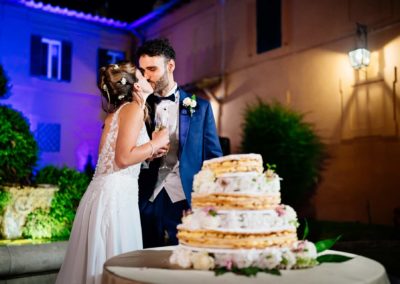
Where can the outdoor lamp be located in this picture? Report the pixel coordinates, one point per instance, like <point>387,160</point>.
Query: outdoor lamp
<point>360,57</point>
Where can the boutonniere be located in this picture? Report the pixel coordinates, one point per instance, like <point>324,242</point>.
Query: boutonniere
<point>190,104</point>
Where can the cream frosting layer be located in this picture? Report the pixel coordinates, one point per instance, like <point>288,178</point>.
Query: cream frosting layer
<point>205,182</point>
<point>282,218</point>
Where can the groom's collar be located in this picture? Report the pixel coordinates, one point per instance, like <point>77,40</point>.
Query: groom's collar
<point>173,90</point>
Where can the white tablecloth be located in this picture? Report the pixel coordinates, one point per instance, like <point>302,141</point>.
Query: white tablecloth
<point>358,270</point>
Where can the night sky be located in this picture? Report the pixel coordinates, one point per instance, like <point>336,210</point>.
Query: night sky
<point>123,10</point>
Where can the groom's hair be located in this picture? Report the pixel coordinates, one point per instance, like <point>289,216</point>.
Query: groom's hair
<point>156,47</point>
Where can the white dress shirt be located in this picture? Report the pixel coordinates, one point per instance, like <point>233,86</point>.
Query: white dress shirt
<point>170,178</point>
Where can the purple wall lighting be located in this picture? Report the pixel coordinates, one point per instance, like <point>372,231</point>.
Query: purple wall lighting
<point>72,13</point>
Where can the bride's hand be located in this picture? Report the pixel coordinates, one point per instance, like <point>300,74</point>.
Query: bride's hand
<point>160,139</point>
<point>160,152</point>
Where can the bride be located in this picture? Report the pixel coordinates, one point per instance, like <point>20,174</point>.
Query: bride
<point>107,221</point>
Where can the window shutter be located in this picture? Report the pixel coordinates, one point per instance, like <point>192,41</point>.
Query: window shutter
<point>36,56</point>
<point>102,58</point>
<point>66,61</point>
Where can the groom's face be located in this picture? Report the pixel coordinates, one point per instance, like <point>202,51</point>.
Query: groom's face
<point>158,71</point>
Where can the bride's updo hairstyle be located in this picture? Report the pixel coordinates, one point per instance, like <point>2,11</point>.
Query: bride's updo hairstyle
<point>116,86</point>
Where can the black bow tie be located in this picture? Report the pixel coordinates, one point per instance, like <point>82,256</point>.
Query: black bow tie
<point>158,99</point>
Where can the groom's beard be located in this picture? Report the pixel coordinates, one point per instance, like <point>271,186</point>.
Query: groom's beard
<point>161,84</point>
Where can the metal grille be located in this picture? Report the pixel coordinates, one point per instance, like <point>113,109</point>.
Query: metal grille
<point>48,137</point>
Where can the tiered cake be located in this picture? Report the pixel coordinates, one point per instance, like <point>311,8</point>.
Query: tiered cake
<point>238,220</point>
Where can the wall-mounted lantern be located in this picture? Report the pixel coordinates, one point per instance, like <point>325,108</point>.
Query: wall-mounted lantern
<point>360,57</point>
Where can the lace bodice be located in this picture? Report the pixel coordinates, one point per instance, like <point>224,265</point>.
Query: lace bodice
<point>106,162</point>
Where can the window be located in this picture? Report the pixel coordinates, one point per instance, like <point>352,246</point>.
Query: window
<point>50,58</point>
<point>269,25</point>
<point>106,56</point>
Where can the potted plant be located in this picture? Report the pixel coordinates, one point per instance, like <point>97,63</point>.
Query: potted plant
<point>284,139</point>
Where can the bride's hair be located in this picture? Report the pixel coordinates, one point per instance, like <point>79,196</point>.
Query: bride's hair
<point>116,86</point>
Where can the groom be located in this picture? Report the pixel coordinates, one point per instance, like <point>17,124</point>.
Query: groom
<point>165,187</point>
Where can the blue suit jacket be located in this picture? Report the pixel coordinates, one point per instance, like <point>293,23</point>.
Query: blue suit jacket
<point>198,141</point>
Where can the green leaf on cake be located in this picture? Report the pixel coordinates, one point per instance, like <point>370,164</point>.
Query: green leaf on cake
<point>332,258</point>
<point>326,244</point>
<point>306,230</point>
<point>247,271</point>
<point>212,213</point>
<point>220,271</point>
<point>271,167</point>
<point>273,271</point>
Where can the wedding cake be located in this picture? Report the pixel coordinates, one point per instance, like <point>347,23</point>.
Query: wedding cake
<point>238,221</point>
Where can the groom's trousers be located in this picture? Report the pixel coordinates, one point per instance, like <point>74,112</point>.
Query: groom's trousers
<point>159,220</point>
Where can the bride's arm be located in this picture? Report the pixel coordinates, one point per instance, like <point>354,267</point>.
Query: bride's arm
<point>130,124</point>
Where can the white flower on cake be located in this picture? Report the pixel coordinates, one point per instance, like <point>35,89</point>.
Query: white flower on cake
<point>242,260</point>
<point>290,216</point>
<point>288,259</point>
<point>306,254</point>
<point>270,259</point>
<point>192,221</point>
<point>269,173</point>
<point>181,257</point>
<point>202,261</point>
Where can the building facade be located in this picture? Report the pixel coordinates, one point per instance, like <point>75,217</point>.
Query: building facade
<point>301,60</point>
<point>52,57</point>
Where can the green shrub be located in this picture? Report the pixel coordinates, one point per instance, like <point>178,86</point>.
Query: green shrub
<point>18,148</point>
<point>72,185</point>
<point>38,225</point>
<point>48,175</point>
<point>5,198</point>
<point>282,138</point>
<point>4,83</point>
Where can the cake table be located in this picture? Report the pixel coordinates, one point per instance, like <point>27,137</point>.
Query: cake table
<point>152,266</point>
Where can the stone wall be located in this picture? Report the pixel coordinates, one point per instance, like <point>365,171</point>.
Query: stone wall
<point>23,201</point>
<point>31,263</point>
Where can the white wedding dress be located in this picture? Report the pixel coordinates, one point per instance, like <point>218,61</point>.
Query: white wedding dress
<point>107,221</point>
